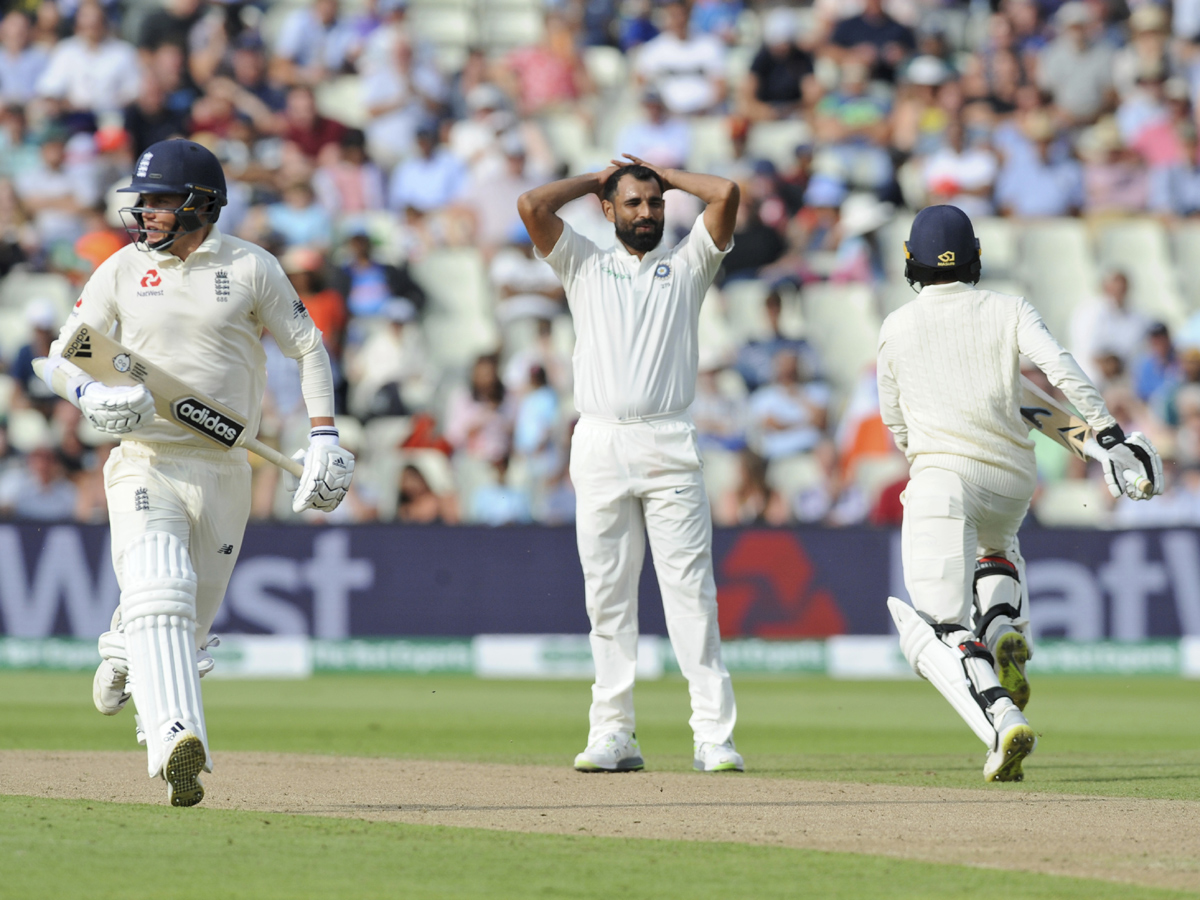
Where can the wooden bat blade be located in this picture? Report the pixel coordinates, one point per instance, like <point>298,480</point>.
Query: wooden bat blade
<point>1044,414</point>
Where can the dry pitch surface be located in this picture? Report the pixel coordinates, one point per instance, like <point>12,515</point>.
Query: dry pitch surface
<point>1150,842</point>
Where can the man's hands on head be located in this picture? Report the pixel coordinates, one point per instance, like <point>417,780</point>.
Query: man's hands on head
<point>632,160</point>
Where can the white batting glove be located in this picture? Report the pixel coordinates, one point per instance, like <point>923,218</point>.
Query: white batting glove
<point>1130,454</point>
<point>116,410</point>
<point>328,469</point>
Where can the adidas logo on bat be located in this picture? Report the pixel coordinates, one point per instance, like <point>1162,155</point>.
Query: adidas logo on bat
<point>207,421</point>
<point>81,346</point>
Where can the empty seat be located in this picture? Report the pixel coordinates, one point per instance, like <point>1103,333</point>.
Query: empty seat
<point>1185,242</point>
<point>444,24</point>
<point>711,143</point>
<point>341,99</point>
<point>777,141</point>
<point>1057,267</point>
<point>606,67</point>
<point>722,471</point>
<point>1073,503</point>
<point>998,241</point>
<point>512,26</point>
<point>745,309</point>
<point>791,474</point>
<point>844,327</point>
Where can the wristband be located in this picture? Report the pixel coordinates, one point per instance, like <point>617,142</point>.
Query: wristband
<point>323,434</point>
<point>1110,437</point>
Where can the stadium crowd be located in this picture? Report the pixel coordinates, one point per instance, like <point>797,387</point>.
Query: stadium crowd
<point>378,148</point>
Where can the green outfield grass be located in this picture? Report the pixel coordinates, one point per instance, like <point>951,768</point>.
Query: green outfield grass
<point>58,849</point>
<point>1136,736</point>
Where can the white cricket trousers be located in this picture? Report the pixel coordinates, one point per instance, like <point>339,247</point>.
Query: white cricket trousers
<point>948,524</point>
<point>634,480</point>
<point>200,496</point>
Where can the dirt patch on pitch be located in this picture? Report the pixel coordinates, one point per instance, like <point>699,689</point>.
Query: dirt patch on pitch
<point>1152,842</point>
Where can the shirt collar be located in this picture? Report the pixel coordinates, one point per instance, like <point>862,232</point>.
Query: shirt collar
<point>211,244</point>
<point>941,290</point>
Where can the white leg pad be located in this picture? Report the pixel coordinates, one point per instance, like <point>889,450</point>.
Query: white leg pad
<point>999,606</point>
<point>941,666</point>
<point>158,608</point>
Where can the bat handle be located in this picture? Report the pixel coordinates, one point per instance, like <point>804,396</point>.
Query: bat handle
<point>273,456</point>
<point>1142,484</point>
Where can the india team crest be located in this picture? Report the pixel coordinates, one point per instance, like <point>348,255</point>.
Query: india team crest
<point>663,271</point>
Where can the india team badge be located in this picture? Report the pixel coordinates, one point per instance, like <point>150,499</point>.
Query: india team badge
<point>662,272</point>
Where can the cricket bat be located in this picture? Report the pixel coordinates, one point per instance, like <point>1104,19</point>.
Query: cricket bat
<point>116,366</point>
<point>1044,414</point>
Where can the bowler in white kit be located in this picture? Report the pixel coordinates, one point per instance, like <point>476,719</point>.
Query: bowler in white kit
<point>949,389</point>
<point>635,461</point>
<point>194,302</point>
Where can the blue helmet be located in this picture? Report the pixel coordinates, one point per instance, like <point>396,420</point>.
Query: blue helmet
<point>942,247</point>
<point>176,167</point>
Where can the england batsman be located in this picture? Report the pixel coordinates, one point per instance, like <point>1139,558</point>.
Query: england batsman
<point>194,302</point>
<point>949,390</point>
<point>635,461</point>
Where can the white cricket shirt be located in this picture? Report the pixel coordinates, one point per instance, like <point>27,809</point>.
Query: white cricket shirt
<point>202,321</point>
<point>636,322</point>
<point>949,371</point>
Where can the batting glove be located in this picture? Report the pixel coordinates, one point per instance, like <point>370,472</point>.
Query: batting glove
<point>328,469</point>
<point>1130,454</point>
<point>116,410</point>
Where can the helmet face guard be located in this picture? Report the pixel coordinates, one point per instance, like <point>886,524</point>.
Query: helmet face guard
<point>201,207</point>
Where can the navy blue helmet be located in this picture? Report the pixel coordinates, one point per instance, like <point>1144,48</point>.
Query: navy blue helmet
<point>942,247</point>
<point>176,167</point>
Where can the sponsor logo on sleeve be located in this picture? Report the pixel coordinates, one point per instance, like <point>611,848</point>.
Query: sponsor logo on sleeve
<point>298,310</point>
<point>203,419</point>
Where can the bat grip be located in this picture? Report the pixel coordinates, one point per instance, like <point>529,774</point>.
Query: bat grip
<point>1096,452</point>
<point>273,456</point>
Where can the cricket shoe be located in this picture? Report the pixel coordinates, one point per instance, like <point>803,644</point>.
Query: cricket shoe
<point>1012,652</point>
<point>616,752</point>
<point>1016,741</point>
<point>710,757</point>
<point>183,768</point>
<point>108,689</point>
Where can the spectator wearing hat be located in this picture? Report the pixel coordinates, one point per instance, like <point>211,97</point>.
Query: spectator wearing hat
<point>91,71</point>
<point>874,39</point>
<point>21,63</point>
<point>1077,68</point>
<point>389,374</point>
<point>687,69</point>
<point>1146,50</point>
<point>429,180</point>
<point>918,119</point>
<point>368,285</point>
<point>781,77</point>
<point>660,137</point>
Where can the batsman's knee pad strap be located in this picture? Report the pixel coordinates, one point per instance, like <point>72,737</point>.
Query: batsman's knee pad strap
<point>998,598</point>
<point>159,579</point>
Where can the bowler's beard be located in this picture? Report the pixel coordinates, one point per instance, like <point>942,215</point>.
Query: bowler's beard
<point>640,240</point>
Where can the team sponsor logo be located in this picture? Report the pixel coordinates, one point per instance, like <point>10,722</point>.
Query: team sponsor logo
<point>946,259</point>
<point>122,362</point>
<point>207,421</point>
<point>226,549</point>
<point>298,310</point>
<point>81,346</point>
<point>151,278</point>
<point>79,303</point>
<point>221,286</point>
<point>620,276</point>
<point>663,271</point>
<point>141,500</point>
<point>173,732</point>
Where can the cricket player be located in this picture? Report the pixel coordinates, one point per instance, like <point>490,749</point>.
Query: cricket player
<point>635,461</point>
<point>193,301</point>
<point>949,390</point>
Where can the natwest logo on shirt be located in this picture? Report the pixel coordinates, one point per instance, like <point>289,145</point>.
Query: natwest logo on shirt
<point>151,278</point>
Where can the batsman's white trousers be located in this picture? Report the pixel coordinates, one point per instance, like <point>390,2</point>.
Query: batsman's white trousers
<point>948,524</point>
<point>200,496</point>
<point>632,480</point>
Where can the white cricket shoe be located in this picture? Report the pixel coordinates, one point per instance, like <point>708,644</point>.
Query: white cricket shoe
<point>108,689</point>
<point>710,757</point>
<point>1016,742</point>
<point>183,768</point>
<point>616,752</point>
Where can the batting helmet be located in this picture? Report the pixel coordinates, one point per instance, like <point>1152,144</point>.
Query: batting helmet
<point>942,247</point>
<point>176,167</point>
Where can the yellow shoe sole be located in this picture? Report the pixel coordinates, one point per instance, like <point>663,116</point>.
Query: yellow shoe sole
<point>1011,655</point>
<point>1018,744</point>
<point>183,769</point>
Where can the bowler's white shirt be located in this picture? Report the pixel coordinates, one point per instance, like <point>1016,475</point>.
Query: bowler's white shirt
<point>636,321</point>
<point>102,78</point>
<point>202,320</point>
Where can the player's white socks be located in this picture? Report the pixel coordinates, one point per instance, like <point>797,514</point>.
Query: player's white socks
<point>158,608</point>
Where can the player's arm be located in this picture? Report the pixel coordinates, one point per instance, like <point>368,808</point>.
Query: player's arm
<point>539,207</point>
<point>889,396</point>
<point>328,468</point>
<point>720,197</point>
<point>1134,452</point>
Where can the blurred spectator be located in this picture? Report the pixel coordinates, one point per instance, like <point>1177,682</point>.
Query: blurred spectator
<point>419,505</point>
<point>527,286</point>
<point>56,192</point>
<point>542,354</point>
<point>171,23</point>
<point>716,17</point>
<point>1147,47</point>
<point>961,176</point>
<point>756,360</point>
<point>42,319</point>
<point>492,196</point>
<point>635,25</point>
<point>688,70</point>
<point>305,268</point>
<point>397,95</point>
<point>305,52</point>
<point>92,71</point>
<point>781,73</point>
<point>304,127</point>
<point>368,285</point>
<point>1077,68</point>
<point>874,39</point>
<point>752,501</point>
<point>660,138</point>
<point>854,123</point>
<point>1107,325</point>
<point>1034,184</point>
<point>250,71</point>
<point>755,244</point>
<point>148,120</point>
<point>537,430</point>
<point>1156,365</point>
<point>430,179</point>
<point>350,182</point>
<point>720,418</point>
<point>497,502</point>
<point>38,490</point>
<point>21,63</point>
<point>478,420</point>
<point>298,219</point>
<point>789,415</point>
<point>1114,178</point>
<point>547,76</point>
<point>390,374</point>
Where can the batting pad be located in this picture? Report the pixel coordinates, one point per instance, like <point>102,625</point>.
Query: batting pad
<point>158,607</point>
<point>940,665</point>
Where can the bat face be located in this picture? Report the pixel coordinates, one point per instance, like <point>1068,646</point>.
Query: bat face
<point>1046,416</point>
<point>204,419</point>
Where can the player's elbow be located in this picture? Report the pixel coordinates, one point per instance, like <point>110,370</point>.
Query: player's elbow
<point>528,208</point>
<point>730,193</point>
